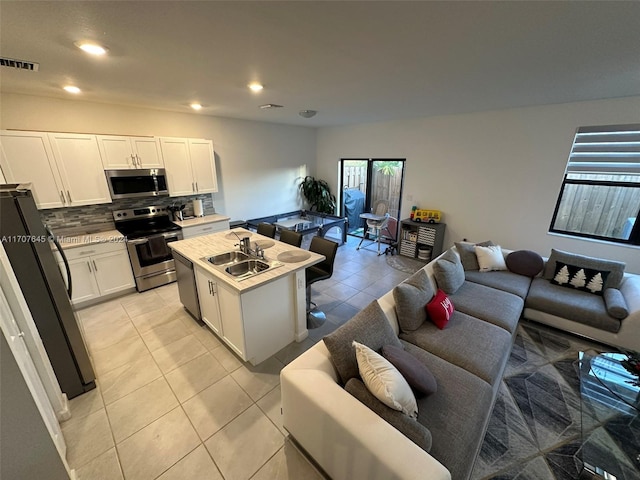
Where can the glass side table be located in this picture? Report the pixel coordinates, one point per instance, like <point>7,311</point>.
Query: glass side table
<point>610,414</point>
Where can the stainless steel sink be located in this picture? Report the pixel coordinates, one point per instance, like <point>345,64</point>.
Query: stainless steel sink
<point>247,268</point>
<point>228,257</point>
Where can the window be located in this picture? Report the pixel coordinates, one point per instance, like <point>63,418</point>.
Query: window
<point>600,194</point>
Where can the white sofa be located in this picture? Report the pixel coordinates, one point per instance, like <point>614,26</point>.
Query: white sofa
<point>350,441</point>
<point>347,439</point>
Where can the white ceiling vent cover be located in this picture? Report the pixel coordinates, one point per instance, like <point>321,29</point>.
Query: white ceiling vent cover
<point>19,64</point>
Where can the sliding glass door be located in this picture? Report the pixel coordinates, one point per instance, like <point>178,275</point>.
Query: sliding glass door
<point>370,185</point>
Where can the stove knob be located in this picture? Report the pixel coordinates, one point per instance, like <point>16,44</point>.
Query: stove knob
<point>119,215</point>
<point>124,214</point>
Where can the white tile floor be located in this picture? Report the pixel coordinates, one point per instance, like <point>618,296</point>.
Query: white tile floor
<point>173,402</point>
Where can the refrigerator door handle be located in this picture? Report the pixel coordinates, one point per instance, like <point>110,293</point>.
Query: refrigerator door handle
<point>64,259</point>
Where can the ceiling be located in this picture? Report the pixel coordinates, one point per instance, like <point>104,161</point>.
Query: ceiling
<point>353,62</point>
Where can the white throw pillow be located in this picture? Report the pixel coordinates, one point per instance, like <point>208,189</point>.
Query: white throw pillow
<point>490,258</point>
<point>384,381</point>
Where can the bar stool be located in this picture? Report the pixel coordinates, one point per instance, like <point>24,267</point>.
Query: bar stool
<point>267,229</point>
<point>317,272</point>
<point>291,237</point>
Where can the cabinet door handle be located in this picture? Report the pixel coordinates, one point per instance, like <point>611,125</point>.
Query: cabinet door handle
<point>193,188</point>
<point>139,160</point>
<point>209,282</point>
<point>89,265</point>
<point>69,195</point>
<point>62,196</point>
<point>213,289</point>
<point>133,159</point>
<point>95,267</point>
<point>196,187</point>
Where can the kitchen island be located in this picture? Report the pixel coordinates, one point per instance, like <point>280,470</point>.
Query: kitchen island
<point>256,315</point>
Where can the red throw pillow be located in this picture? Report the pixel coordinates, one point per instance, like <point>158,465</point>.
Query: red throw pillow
<point>440,309</point>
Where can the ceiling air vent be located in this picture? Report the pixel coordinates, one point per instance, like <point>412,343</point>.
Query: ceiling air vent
<point>19,64</point>
<point>270,105</point>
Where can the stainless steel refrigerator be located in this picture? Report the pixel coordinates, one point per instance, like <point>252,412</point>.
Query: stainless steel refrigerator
<point>28,245</point>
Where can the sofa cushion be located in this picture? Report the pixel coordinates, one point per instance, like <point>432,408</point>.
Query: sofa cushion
<point>440,309</point>
<point>502,280</point>
<point>494,306</point>
<point>572,304</point>
<point>420,379</point>
<point>385,381</point>
<point>615,303</point>
<point>580,278</point>
<point>467,254</point>
<point>448,272</point>
<point>473,344</point>
<point>410,297</point>
<point>409,427</point>
<point>616,269</point>
<point>456,415</point>
<point>525,262</point>
<point>490,258</point>
<point>369,327</point>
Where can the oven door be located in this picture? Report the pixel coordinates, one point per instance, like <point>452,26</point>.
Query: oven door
<point>152,255</point>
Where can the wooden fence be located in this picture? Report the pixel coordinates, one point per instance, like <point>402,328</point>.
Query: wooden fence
<point>598,209</point>
<point>385,187</point>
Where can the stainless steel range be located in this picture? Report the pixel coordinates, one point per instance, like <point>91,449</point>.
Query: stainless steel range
<point>149,230</point>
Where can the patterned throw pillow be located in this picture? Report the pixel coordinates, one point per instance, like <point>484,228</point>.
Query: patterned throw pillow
<point>384,381</point>
<point>585,279</point>
<point>440,309</point>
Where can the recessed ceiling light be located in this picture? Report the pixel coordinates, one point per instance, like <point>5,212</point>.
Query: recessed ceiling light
<point>307,113</point>
<point>72,89</point>
<point>196,106</point>
<point>91,48</point>
<point>255,87</point>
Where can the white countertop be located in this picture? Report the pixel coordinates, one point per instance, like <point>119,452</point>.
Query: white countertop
<point>194,222</point>
<point>196,248</point>
<point>75,241</point>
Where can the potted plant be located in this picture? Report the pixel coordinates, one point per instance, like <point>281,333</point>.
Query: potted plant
<point>318,195</point>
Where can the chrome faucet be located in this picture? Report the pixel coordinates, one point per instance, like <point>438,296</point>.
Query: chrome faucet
<point>245,246</point>
<point>244,243</point>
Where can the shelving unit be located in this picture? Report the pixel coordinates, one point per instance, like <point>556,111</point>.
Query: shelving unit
<point>421,240</point>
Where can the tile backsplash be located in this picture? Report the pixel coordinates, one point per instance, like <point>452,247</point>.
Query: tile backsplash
<point>98,218</point>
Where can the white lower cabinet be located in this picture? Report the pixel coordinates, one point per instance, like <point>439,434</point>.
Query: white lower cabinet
<point>251,323</point>
<point>85,286</point>
<point>209,308</point>
<point>221,311</point>
<point>98,270</point>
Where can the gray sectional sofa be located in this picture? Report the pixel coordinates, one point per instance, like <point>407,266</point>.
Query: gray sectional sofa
<point>352,435</point>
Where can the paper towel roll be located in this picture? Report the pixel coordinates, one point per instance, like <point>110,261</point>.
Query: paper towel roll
<point>197,208</point>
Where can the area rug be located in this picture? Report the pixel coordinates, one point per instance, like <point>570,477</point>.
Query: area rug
<point>404,264</point>
<point>535,428</point>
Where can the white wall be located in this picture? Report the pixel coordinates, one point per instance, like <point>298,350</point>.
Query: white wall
<point>258,164</point>
<point>495,175</point>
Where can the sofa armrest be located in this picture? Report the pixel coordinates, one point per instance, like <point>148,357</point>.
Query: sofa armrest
<point>343,436</point>
<point>630,289</point>
<point>615,303</point>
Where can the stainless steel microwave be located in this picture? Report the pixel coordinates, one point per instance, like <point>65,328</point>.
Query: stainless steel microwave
<point>137,183</point>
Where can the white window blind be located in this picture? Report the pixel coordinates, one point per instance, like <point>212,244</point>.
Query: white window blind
<point>607,150</point>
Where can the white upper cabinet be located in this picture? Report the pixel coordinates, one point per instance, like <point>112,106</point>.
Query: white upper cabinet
<point>203,164</point>
<point>190,165</point>
<point>27,157</point>
<point>120,152</point>
<point>78,159</point>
